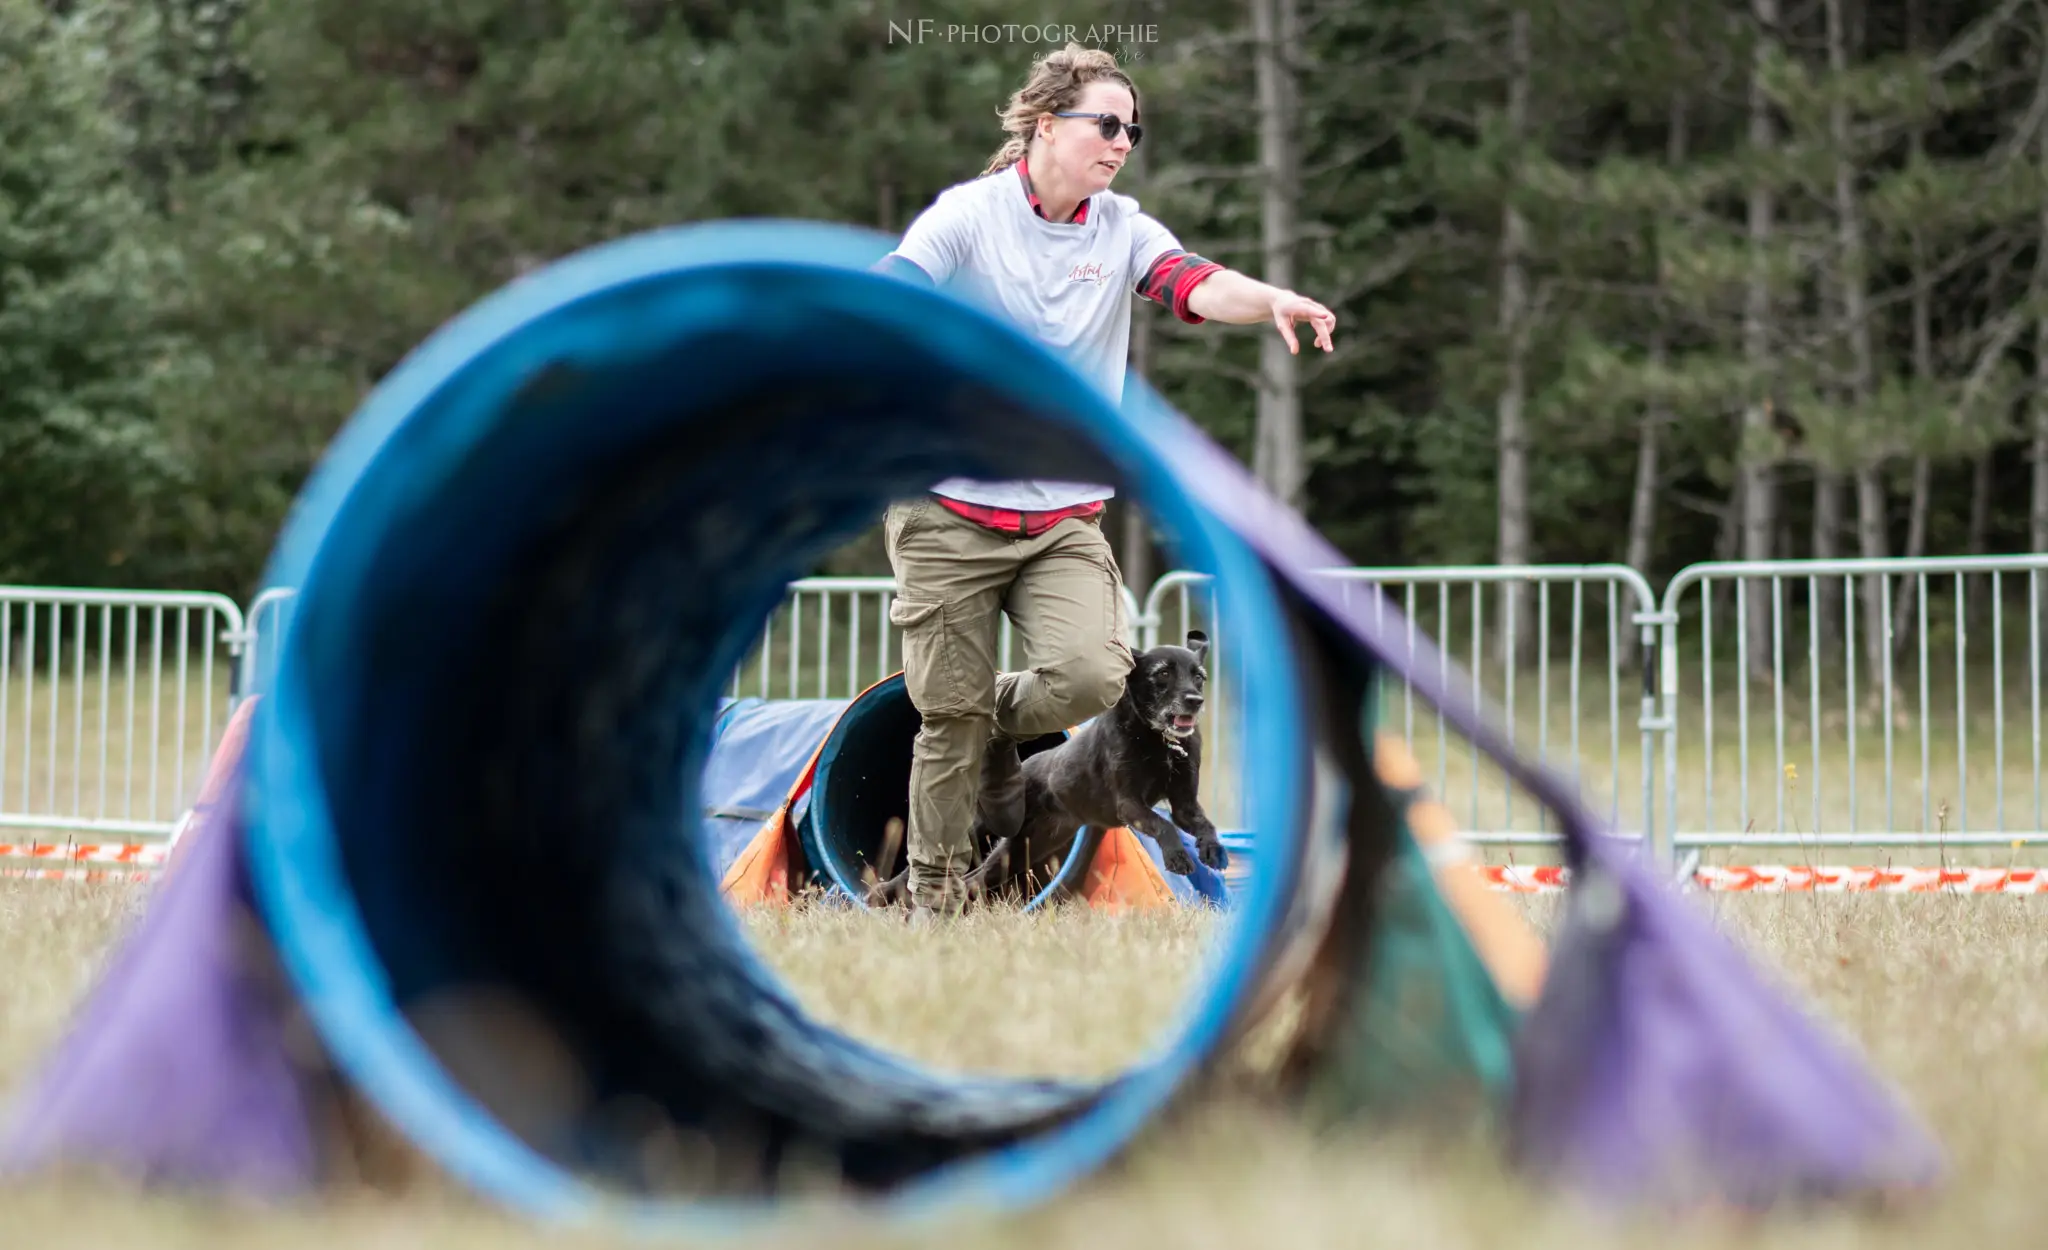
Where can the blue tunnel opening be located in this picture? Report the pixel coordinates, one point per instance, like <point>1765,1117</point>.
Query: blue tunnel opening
<point>524,571</point>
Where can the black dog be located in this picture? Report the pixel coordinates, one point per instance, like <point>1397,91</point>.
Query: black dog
<point>1110,772</point>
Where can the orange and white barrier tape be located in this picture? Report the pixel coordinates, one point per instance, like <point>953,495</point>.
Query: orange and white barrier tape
<point>73,874</point>
<point>141,857</point>
<point>137,854</point>
<point>1792,878</point>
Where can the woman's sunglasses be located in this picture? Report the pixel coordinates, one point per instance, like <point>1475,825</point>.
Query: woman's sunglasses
<point>1110,125</point>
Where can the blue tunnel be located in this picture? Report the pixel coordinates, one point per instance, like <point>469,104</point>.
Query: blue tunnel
<point>525,571</point>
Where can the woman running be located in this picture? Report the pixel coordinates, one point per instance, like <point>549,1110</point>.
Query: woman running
<point>1041,235</point>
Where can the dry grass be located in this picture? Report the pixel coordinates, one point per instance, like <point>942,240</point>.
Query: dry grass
<point>1941,991</point>
<point>999,991</point>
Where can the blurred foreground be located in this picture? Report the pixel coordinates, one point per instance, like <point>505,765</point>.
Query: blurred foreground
<point>1939,989</point>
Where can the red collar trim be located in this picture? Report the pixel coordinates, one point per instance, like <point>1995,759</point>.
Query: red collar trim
<point>1080,216</point>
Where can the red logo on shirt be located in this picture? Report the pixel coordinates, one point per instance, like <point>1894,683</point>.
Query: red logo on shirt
<point>1090,271</point>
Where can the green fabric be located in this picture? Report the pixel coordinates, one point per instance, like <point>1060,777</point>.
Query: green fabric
<point>1431,1035</point>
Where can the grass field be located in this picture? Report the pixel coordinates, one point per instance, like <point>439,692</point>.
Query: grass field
<point>1942,991</point>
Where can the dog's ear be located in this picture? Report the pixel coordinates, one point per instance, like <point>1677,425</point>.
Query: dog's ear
<point>1198,642</point>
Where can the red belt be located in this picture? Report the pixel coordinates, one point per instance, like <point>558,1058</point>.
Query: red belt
<point>1011,521</point>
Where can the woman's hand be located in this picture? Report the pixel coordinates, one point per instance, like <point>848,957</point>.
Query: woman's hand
<point>1288,308</point>
<point>1242,300</point>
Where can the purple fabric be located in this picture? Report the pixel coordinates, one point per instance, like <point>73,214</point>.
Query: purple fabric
<point>176,1069</point>
<point>1658,1065</point>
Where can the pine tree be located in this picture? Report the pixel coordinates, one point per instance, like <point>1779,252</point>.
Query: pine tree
<point>82,459</point>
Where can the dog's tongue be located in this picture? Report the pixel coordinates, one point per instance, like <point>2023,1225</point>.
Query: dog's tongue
<point>1183,722</point>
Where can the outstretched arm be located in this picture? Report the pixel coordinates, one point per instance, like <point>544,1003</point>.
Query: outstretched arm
<point>1198,289</point>
<point>1240,299</point>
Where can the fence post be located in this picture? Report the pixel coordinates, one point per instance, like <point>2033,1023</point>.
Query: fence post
<point>1142,627</point>
<point>1660,680</point>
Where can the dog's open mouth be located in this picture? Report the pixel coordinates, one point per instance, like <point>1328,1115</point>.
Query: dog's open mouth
<point>1180,725</point>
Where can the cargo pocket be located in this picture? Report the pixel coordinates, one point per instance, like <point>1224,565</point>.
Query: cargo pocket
<point>930,670</point>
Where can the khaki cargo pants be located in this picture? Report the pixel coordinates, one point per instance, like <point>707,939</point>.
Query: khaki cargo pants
<point>955,578</point>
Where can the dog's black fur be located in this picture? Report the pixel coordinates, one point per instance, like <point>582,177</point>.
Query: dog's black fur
<point>1110,772</point>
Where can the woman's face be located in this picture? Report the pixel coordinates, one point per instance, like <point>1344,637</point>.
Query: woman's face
<point>1076,145</point>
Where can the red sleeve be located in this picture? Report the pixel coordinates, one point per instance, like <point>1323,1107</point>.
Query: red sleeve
<point>1173,278</point>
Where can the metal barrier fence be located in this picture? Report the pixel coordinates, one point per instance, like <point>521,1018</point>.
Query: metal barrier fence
<point>110,704</point>
<point>1522,637</point>
<point>1780,732</point>
<point>257,644</point>
<point>1838,705</point>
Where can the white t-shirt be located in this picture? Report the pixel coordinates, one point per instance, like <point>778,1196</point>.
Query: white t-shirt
<point>1068,284</point>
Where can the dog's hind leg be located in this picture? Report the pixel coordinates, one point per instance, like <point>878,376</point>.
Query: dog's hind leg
<point>887,893</point>
<point>993,871</point>
<point>883,892</point>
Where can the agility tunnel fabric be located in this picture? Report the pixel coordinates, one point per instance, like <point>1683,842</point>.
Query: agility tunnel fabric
<point>461,886</point>
<point>758,751</point>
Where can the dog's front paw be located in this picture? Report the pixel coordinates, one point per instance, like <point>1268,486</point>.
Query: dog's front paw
<point>1213,854</point>
<point>1177,860</point>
